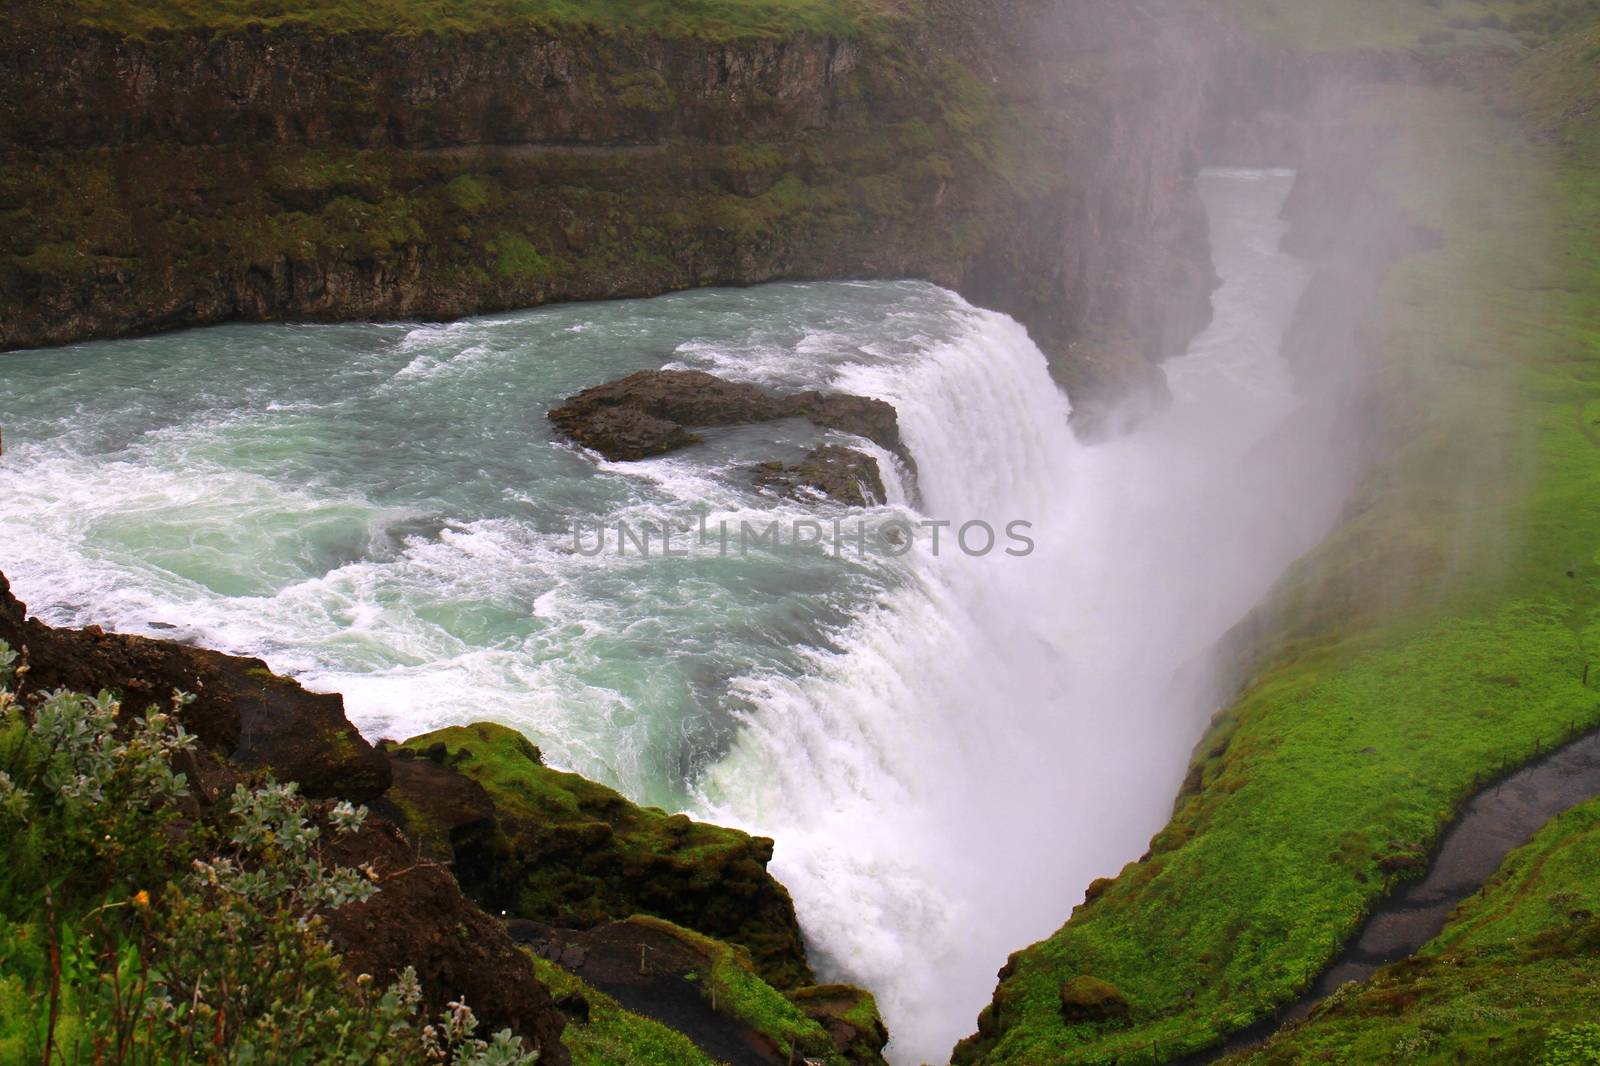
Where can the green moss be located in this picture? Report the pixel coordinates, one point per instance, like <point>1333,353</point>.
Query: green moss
<point>421,826</point>
<point>642,90</point>
<point>340,744</point>
<point>515,257</point>
<point>614,1036</point>
<point>864,1014</point>
<point>733,987</point>
<point>468,193</point>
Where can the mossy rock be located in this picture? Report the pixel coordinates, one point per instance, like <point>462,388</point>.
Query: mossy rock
<point>607,1034</point>
<point>850,1017</point>
<point>706,988</point>
<point>1089,999</point>
<point>568,852</point>
<point>731,984</point>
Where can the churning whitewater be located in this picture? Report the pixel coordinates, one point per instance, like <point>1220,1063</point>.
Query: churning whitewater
<point>1001,732</point>
<point>947,746</point>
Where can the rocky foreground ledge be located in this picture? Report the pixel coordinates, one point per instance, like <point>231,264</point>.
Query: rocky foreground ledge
<point>471,830</point>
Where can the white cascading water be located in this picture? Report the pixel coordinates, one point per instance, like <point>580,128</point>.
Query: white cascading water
<point>1007,729</point>
<point>947,749</point>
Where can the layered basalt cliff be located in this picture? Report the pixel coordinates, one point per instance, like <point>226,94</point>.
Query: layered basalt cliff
<point>1036,157</point>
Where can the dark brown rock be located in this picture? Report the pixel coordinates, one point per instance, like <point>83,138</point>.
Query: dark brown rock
<point>420,918</point>
<point>647,413</point>
<point>838,473</point>
<point>688,397</point>
<point>861,415</point>
<point>627,433</point>
<point>1089,999</point>
<point>652,412</point>
<point>242,710</point>
<point>433,802</point>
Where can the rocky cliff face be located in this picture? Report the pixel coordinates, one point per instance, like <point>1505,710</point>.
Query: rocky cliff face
<point>1036,156</point>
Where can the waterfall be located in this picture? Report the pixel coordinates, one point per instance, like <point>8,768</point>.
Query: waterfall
<point>1004,729</point>
<point>947,747</point>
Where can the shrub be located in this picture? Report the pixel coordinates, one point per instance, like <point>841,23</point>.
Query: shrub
<point>1577,1046</point>
<point>133,932</point>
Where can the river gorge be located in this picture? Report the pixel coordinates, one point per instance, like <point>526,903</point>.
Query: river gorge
<point>381,511</point>
<point>844,532</point>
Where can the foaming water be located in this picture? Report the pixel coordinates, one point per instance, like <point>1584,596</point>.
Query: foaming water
<point>947,748</point>
<point>1005,730</point>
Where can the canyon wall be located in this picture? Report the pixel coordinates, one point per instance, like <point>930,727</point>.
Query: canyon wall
<point>1036,156</point>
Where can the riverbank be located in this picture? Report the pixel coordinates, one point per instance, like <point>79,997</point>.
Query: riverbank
<point>1442,632</point>
<point>1510,979</point>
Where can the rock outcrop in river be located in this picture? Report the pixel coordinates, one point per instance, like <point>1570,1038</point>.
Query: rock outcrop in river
<point>653,412</point>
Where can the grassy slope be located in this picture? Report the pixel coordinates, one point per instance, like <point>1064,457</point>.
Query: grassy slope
<point>1338,767</point>
<point>713,19</point>
<point>1513,976</point>
<point>1512,979</point>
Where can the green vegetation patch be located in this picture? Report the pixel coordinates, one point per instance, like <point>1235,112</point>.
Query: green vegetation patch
<point>516,257</point>
<point>137,925</point>
<point>732,987</point>
<point>614,1036</point>
<point>1511,979</point>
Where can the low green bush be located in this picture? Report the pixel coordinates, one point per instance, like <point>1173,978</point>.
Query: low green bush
<point>138,928</point>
